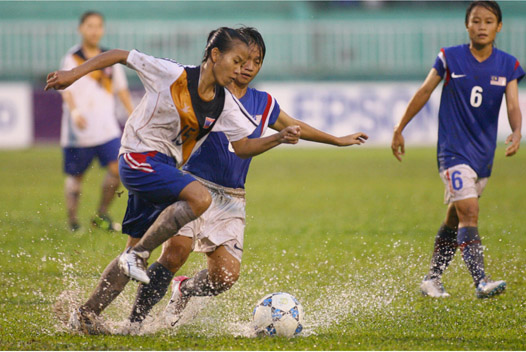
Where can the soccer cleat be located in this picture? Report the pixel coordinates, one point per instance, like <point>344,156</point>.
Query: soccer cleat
<point>174,309</point>
<point>133,264</point>
<point>488,288</point>
<point>74,227</point>
<point>87,323</point>
<point>104,222</point>
<point>433,288</point>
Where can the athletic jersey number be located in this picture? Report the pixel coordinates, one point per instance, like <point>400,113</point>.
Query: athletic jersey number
<point>456,181</point>
<point>476,96</point>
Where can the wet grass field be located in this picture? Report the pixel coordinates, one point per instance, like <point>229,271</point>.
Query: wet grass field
<point>349,232</point>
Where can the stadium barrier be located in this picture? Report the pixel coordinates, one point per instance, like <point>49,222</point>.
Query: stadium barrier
<point>296,49</point>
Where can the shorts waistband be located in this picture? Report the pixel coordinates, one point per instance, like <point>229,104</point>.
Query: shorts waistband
<point>235,192</point>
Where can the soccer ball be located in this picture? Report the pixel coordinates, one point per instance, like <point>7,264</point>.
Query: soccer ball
<point>278,314</point>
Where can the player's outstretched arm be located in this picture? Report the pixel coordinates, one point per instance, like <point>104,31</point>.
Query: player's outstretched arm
<point>63,79</point>
<point>249,147</point>
<point>514,117</point>
<point>310,133</point>
<point>415,105</point>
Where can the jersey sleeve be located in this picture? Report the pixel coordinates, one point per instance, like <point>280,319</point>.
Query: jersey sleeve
<point>517,72</point>
<point>119,78</point>
<point>440,63</point>
<point>274,114</point>
<point>235,122</point>
<point>155,74</point>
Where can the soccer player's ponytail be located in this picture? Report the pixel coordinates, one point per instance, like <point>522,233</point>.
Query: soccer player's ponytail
<point>222,38</point>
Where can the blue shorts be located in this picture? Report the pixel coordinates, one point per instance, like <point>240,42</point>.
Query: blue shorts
<point>153,182</point>
<point>77,160</point>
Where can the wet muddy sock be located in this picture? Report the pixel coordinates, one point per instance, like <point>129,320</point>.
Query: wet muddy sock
<point>444,251</point>
<point>472,252</point>
<point>110,285</point>
<point>165,226</point>
<point>149,295</point>
<point>200,285</point>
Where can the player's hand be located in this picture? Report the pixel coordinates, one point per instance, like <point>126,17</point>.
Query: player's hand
<point>59,80</point>
<point>515,140</point>
<point>352,139</point>
<point>398,145</point>
<point>79,121</point>
<point>290,134</point>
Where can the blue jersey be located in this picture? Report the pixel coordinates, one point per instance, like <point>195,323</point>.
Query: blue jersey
<point>470,104</point>
<point>216,161</point>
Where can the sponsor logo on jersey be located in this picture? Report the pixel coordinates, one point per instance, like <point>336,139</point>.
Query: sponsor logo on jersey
<point>208,122</point>
<point>498,81</point>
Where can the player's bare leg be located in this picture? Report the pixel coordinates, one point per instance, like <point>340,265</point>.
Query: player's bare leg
<point>72,188</point>
<point>194,200</point>
<point>174,254</point>
<point>110,184</point>
<point>222,273</point>
<point>111,284</point>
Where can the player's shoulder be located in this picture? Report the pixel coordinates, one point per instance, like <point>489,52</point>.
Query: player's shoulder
<point>502,55</point>
<point>74,50</point>
<point>455,50</point>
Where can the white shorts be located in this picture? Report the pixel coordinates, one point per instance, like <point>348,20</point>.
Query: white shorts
<point>222,224</point>
<point>462,182</point>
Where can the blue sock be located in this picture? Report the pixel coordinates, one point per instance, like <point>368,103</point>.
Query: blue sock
<point>149,295</point>
<point>472,252</point>
<point>444,251</point>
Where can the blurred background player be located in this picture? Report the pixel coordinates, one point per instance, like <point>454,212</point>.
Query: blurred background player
<point>219,231</point>
<point>89,124</point>
<point>179,109</point>
<point>476,76</point>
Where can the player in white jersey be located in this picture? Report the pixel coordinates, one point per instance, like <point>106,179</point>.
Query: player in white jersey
<point>89,125</point>
<point>179,108</point>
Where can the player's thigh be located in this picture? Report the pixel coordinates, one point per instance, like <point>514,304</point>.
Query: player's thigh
<point>77,160</point>
<point>223,266</point>
<point>153,176</point>
<point>175,252</point>
<point>467,211</point>
<point>461,182</point>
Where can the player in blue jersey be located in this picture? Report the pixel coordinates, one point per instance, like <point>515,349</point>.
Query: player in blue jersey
<point>219,231</point>
<point>476,76</point>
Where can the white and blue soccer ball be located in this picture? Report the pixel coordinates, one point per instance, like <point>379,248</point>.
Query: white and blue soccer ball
<point>278,314</point>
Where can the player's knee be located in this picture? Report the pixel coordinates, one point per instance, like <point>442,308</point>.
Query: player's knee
<point>72,184</point>
<point>200,202</point>
<point>468,214</point>
<point>225,279</point>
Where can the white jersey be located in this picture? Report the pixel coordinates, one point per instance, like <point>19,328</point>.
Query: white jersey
<point>94,97</point>
<point>171,117</point>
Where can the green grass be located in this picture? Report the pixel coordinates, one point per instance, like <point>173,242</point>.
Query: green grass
<point>347,231</point>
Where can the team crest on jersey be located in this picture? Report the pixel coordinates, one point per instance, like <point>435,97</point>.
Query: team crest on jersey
<point>498,81</point>
<point>208,122</point>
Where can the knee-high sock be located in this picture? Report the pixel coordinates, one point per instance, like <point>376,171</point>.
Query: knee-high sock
<point>200,285</point>
<point>165,226</point>
<point>472,252</point>
<point>444,251</point>
<point>149,295</point>
<point>110,285</point>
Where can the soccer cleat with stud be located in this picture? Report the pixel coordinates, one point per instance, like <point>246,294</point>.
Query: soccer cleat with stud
<point>174,309</point>
<point>488,288</point>
<point>433,288</point>
<point>133,265</point>
<point>104,222</point>
<point>87,323</point>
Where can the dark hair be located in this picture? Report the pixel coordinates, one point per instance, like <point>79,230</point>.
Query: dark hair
<point>222,38</point>
<point>488,5</point>
<point>87,14</point>
<point>254,37</point>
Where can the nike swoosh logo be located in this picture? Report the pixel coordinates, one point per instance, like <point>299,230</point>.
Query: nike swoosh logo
<point>237,247</point>
<point>453,75</point>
